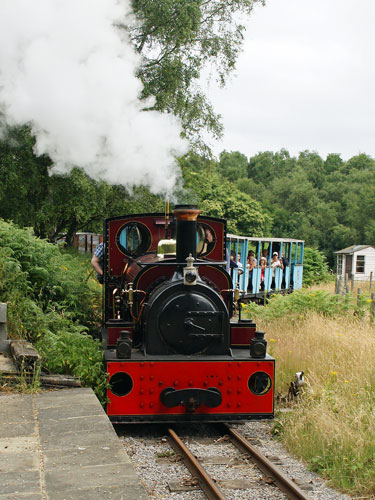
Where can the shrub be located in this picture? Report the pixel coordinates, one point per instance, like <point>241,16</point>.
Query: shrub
<point>297,305</point>
<point>315,267</point>
<point>53,301</point>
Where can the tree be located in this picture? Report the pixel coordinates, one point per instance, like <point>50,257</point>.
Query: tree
<point>55,205</point>
<point>78,203</point>
<point>218,197</point>
<point>333,163</point>
<point>23,177</point>
<point>233,165</point>
<point>177,39</point>
<point>250,187</point>
<point>74,202</point>
<point>313,166</point>
<point>315,267</point>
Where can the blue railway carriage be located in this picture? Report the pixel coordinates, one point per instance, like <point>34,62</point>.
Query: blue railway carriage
<point>264,280</point>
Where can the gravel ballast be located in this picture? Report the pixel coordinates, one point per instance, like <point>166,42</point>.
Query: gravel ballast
<point>163,473</point>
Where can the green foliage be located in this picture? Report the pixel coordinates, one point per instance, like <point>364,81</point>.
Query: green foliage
<point>218,197</point>
<point>315,267</point>
<point>56,205</point>
<point>296,305</point>
<point>233,165</point>
<point>177,40</point>
<point>74,353</point>
<point>52,301</point>
<point>329,204</point>
<point>23,176</point>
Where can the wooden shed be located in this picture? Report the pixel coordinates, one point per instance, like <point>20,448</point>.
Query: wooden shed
<point>357,261</point>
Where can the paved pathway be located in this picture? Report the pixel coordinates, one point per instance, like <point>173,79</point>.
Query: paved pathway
<point>60,445</point>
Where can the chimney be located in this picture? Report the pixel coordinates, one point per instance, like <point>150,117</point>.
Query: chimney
<point>186,231</point>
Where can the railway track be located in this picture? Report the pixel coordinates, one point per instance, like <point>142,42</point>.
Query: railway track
<point>210,487</point>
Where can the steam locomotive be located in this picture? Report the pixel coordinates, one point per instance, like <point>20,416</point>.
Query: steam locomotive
<point>174,351</point>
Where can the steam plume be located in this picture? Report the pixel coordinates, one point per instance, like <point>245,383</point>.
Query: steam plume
<point>69,72</point>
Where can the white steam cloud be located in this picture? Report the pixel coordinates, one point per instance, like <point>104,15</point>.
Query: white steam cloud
<point>66,69</point>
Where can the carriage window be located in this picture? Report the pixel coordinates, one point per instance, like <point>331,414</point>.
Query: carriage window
<point>252,248</point>
<point>287,251</point>
<point>360,264</point>
<point>205,239</point>
<point>134,239</point>
<point>265,250</point>
<point>293,252</point>
<point>299,253</point>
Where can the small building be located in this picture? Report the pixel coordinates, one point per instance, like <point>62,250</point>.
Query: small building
<point>357,261</point>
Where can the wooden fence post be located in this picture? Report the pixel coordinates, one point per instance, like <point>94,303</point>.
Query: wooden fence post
<point>352,283</point>
<point>339,286</point>
<point>370,281</point>
<point>372,308</point>
<point>4,342</point>
<point>359,293</point>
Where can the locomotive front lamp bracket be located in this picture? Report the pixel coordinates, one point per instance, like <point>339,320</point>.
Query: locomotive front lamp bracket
<point>190,272</point>
<point>124,345</point>
<point>258,346</point>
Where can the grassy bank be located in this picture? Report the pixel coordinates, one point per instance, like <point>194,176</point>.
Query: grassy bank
<point>332,427</point>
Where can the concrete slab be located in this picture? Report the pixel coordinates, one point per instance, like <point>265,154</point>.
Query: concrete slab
<point>22,496</point>
<point>18,445</point>
<point>13,462</point>
<point>14,429</point>
<point>73,458</point>
<point>115,475</point>
<point>20,453</point>
<point>65,397</point>
<point>16,408</point>
<point>74,410</point>
<point>60,445</point>
<point>21,481</point>
<point>72,440</point>
<point>96,424</point>
<point>131,492</point>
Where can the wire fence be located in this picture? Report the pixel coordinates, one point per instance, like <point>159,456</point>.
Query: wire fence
<point>359,288</point>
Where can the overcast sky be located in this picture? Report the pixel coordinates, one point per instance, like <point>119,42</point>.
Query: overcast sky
<point>306,80</point>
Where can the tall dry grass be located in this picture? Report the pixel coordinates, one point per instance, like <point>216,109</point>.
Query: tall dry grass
<point>365,286</point>
<point>332,427</point>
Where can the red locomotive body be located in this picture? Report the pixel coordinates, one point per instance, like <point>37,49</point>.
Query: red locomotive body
<point>172,348</point>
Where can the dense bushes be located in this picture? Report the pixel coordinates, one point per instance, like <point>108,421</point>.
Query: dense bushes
<point>315,267</point>
<point>302,302</point>
<point>53,302</point>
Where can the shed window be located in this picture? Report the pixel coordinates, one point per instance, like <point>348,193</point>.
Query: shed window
<point>360,264</point>
<point>339,265</point>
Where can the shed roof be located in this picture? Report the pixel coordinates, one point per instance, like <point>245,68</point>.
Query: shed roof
<point>354,249</point>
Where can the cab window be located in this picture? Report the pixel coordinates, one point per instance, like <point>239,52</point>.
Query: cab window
<point>133,239</point>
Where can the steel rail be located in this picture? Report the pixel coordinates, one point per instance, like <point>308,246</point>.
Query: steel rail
<point>287,486</point>
<point>207,484</point>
